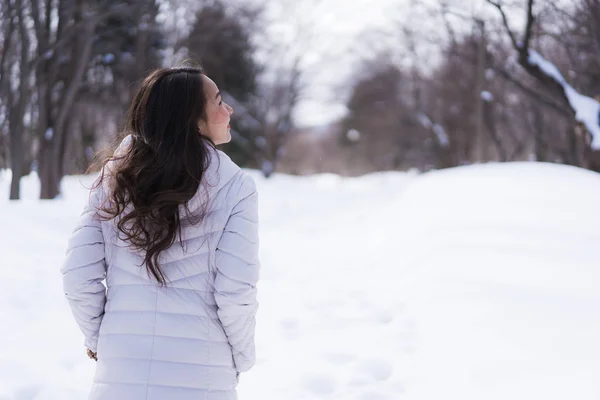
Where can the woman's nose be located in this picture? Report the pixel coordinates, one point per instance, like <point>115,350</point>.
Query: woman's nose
<point>230,109</point>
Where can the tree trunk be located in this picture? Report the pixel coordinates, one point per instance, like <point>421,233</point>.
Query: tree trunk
<point>16,163</point>
<point>490,124</point>
<point>582,144</point>
<point>479,145</point>
<point>539,130</point>
<point>48,171</point>
<point>17,108</point>
<point>594,160</point>
<point>17,131</point>
<point>52,149</point>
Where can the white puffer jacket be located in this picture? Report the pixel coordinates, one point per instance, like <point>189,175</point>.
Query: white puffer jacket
<point>190,339</point>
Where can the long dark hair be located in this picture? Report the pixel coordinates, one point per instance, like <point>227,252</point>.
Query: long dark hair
<point>162,167</point>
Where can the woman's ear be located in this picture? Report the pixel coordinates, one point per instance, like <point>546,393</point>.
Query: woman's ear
<point>202,127</point>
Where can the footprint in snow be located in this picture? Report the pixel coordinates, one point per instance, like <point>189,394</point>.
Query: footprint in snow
<point>378,370</point>
<point>384,317</point>
<point>290,328</point>
<point>319,384</point>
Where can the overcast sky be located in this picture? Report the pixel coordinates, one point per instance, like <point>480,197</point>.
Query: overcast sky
<point>346,30</point>
<point>337,33</point>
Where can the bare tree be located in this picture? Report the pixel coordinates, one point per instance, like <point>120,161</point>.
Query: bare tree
<point>283,83</point>
<point>15,88</point>
<point>507,133</point>
<point>549,76</point>
<point>274,108</point>
<point>63,56</point>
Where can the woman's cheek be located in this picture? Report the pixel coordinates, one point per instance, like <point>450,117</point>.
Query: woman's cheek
<point>219,115</point>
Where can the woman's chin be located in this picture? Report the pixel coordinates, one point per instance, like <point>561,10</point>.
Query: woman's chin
<point>226,138</point>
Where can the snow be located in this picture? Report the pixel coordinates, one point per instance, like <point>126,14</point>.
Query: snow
<point>48,134</point>
<point>267,167</point>
<point>487,96</point>
<point>353,135</point>
<point>424,120</point>
<point>441,135</point>
<point>438,130</point>
<point>108,58</point>
<point>478,282</point>
<point>549,69</point>
<point>587,110</point>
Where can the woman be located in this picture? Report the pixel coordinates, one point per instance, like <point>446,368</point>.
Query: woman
<point>171,225</point>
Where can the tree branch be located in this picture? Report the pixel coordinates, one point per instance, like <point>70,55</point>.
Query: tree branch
<point>37,23</point>
<point>76,28</point>
<point>75,82</point>
<point>490,123</point>
<point>523,53</point>
<point>594,24</point>
<point>6,43</point>
<point>449,28</point>
<point>528,28</point>
<point>511,35</point>
<point>530,92</point>
<point>509,77</point>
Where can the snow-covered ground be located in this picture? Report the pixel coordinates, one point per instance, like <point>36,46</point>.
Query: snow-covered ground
<point>472,283</point>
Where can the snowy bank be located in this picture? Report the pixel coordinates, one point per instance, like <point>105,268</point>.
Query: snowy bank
<point>478,282</point>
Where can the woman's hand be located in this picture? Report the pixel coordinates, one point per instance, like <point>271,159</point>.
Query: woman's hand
<point>92,355</point>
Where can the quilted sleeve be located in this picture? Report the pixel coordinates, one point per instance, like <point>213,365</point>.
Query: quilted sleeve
<point>237,276</point>
<point>83,271</point>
